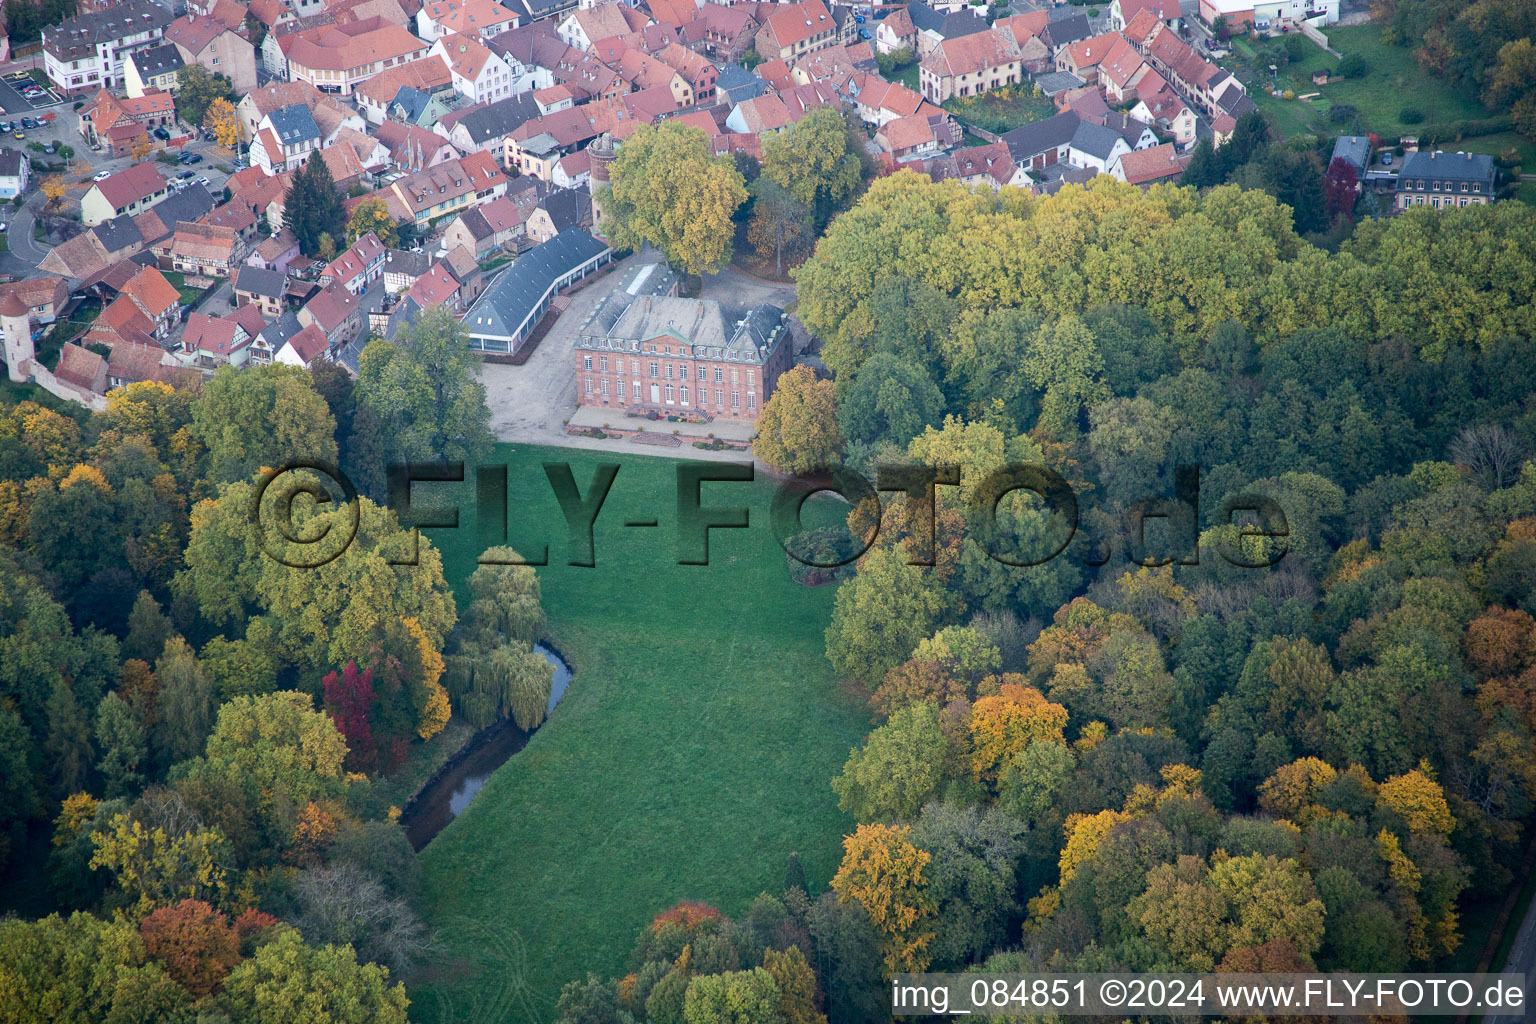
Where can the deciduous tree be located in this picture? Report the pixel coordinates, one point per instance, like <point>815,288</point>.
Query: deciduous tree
<point>885,873</point>
<point>797,431</point>
<point>668,190</point>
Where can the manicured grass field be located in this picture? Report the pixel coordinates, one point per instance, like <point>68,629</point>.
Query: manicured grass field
<point>1395,81</point>
<point>690,756</point>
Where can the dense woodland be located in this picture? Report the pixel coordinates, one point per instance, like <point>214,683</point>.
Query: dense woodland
<point>191,732</point>
<point>1199,767</point>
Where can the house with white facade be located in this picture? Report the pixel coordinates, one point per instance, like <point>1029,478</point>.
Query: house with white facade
<point>87,52</point>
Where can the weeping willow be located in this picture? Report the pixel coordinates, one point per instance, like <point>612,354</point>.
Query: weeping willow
<point>507,681</point>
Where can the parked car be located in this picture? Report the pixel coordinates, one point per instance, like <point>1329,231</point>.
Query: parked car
<point>3,226</point>
<point>6,127</point>
<point>101,176</point>
<point>191,158</point>
<point>1386,159</point>
<point>28,123</point>
<point>161,134</point>
<point>204,182</point>
<point>184,174</point>
<point>18,134</point>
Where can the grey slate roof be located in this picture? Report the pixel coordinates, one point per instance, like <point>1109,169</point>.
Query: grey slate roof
<point>948,26</point>
<point>294,125</point>
<point>517,292</point>
<point>1447,166</point>
<point>403,315</point>
<point>739,84</point>
<point>567,207</point>
<point>76,38</point>
<point>187,204</point>
<point>280,330</point>
<point>403,261</point>
<point>10,162</point>
<point>1067,25</point>
<point>1354,149</point>
<point>495,120</point>
<point>1095,139</point>
<point>715,329</point>
<point>1041,136</point>
<point>118,233</point>
<point>1053,82</point>
<point>157,60</point>
<point>257,281</point>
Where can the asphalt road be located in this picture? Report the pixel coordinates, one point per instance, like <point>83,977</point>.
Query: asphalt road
<point>1522,960</point>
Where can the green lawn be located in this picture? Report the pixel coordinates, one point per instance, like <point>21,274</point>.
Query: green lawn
<point>690,757</point>
<point>1002,109</point>
<point>908,76</point>
<point>1395,81</point>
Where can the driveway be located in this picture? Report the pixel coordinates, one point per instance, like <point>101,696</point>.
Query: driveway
<point>529,403</point>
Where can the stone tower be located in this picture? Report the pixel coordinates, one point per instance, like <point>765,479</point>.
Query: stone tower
<point>16,326</point>
<point>601,150</point>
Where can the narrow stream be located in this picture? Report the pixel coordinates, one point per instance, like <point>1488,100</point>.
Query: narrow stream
<point>448,792</point>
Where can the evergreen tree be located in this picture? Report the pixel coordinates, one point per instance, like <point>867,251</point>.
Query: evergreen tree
<point>315,207</point>
<point>148,629</point>
<point>794,876</point>
<point>69,739</point>
<point>123,746</point>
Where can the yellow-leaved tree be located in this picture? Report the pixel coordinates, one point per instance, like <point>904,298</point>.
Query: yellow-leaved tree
<point>884,872</point>
<point>797,430</point>
<point>372,215</point>
<point>220,121</point>
<point>1004,724</point>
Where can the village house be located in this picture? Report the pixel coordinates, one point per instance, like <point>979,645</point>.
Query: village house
<point>482,19</point>
<point>430,77</point>
<point>338,58</point>
<point>88,51</point>
<point>119,125</point>
<point>479,74</point>
<point>729,32</point>
<point>209,342</point>
<point>970,65</point>
<point>275,252</point>
<point>586,25</point>
<point>358,265</point>
<point>931,27</point>
<point>155,297</point>
<point>1147,167</point>
<point>217,47</point>
<point>306,348</point>
<point>203,250</point>
<point>125,193</point>
<point>152,70</point>
<point>261,288</point>
<point>1439,179</point>
<point>285,139</point>
<point>1042,144</point>
<point>15,173</point>
<point>794,30</point>
<point>335,311</point>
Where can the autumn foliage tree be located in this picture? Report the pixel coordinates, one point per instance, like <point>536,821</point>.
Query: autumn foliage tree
<point>349,699</point>
<point>1002,725</point>
<point>669,190</point>
<point>194,942</point>
<point>884,873</point>
<point>221,122</point>
<point>797,431</point>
